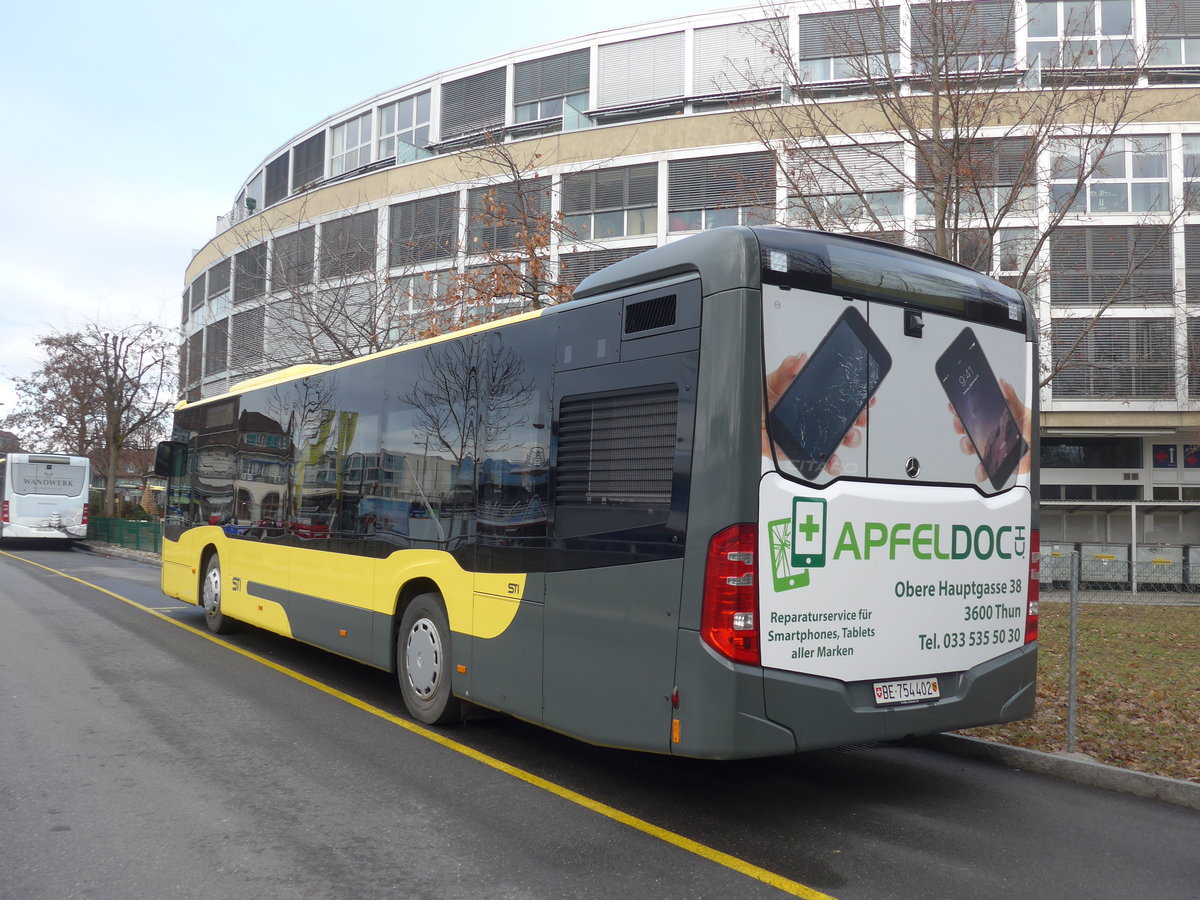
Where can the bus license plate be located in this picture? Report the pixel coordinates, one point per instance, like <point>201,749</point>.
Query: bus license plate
<point>913,690</point>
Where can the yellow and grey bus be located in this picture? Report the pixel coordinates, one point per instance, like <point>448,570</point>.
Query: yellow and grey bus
<point>758,491</point>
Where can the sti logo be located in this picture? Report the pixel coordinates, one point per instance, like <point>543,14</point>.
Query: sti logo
<point>797,544</point>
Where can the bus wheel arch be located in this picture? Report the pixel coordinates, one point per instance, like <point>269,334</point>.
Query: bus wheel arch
<point>423,660</point>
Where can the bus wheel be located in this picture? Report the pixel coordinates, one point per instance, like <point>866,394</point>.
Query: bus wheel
<point>210,597</point>
<point>423,662</point>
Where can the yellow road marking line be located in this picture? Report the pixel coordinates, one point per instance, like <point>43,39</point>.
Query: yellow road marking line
<point>794,888</point>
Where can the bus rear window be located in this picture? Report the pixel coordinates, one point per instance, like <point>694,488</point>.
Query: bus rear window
<point>873,271</point>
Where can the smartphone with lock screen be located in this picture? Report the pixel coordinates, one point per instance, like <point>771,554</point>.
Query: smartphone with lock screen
<point>829,393</point>
<point>975,394</point>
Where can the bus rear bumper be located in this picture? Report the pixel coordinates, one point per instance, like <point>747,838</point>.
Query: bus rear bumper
<point>824,712</point>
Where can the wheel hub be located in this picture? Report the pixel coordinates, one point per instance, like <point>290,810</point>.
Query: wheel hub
<point>423,655</point>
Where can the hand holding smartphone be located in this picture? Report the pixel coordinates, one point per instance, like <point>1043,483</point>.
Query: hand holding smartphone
<point>831,390</point>
<point>983,411</point>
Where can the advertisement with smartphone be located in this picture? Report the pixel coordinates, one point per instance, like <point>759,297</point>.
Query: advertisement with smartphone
<point>895,506</point>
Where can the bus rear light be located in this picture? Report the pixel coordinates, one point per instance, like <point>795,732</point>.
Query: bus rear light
<point>1035,582</point>
<point>729,619</point>
<point>4,513</point>
<point>85,512</point>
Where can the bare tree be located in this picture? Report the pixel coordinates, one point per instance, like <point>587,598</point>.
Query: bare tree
<point>510,227</point>
<point>99,392</point>
<point>996,155</point>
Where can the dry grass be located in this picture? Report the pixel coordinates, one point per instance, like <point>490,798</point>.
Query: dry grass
<point>1138,688</point>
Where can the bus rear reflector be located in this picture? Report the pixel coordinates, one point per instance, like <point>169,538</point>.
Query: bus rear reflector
<point>1035,584</point>
<point>729,618</point>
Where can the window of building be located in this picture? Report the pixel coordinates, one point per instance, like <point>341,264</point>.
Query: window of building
<point>246,339</point>
<point>1129,175</point>
<point>963,37</point>
<point>1191,171</point>
<point>216,348</point>
<point>250,273</point>
<point>542,88</point>
<point>1080,33</point>
<point>197,291</point>
<point>574,267</point>
<point>351,145</point>
<point>641,70</point>
<point>473,104</point>
<point>498,214</point>
<point>348,245</point>
<point>1173,30</point>
<point>277,179</point>
<point>292,258</point>
<point>405,122</point>
<point>846,186</point>
<point>739,57</point>
<point>720,190</point>
<point>1191,250</point>
<point>195,357</point>
<point>1004,255</point>
<point>1193,343</point>
<point>1098,264</point>
<point>1092,453</point>
<point>611,202</point>
<point>988,177</point>
<point>218,278</point>
<point>850,45</point>
<point>1125,359</point>
<point>308,161</point>
<point>424,289</point>
<point>422,230</point>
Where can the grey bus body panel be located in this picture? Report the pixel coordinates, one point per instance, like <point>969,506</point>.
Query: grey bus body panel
<point>318,621</point>
<point>723,264</point>
<point>824,712</point>
<point>610,655</point>
<point>511,661</point>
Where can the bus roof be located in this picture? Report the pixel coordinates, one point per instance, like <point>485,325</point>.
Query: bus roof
<point>738,256</point>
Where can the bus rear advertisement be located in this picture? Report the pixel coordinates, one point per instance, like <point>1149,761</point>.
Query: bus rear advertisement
<point>758,491</point>
<point>44,495</point>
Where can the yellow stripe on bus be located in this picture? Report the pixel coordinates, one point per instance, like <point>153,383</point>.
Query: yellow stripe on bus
<point>786,885</point>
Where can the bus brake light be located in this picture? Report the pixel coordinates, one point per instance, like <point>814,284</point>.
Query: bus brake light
<point>1035,583</point>
<point>729,618</point>
<point>85,512</point>
<point>4,513</point>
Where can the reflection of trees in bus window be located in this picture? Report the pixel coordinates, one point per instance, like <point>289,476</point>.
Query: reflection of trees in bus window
<point>337,454</point>
<point>514,447</point>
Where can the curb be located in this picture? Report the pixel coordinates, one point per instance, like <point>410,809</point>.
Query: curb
<point>99,549</point>
<point>1074,767</point>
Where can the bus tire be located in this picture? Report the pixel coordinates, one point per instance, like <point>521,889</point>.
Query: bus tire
<point>423,665</point>
<point>210,597</point>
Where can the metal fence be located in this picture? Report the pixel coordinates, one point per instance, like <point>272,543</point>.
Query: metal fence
<point>1099,574</point>
<point>126,533</point>
<point>1122,569</point>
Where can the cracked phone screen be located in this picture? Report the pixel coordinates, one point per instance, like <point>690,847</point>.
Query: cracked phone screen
<point>822,402</point>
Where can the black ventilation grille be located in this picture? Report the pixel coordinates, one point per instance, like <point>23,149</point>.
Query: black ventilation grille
<point>657,312</point>
<point>618,449</point>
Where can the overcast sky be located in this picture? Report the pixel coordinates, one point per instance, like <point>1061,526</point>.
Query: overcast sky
<point>131,126</point>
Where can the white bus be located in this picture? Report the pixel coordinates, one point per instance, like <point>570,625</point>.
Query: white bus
<point>44,495</point>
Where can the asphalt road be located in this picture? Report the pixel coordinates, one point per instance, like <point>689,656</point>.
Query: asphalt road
<point>141,759</point>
